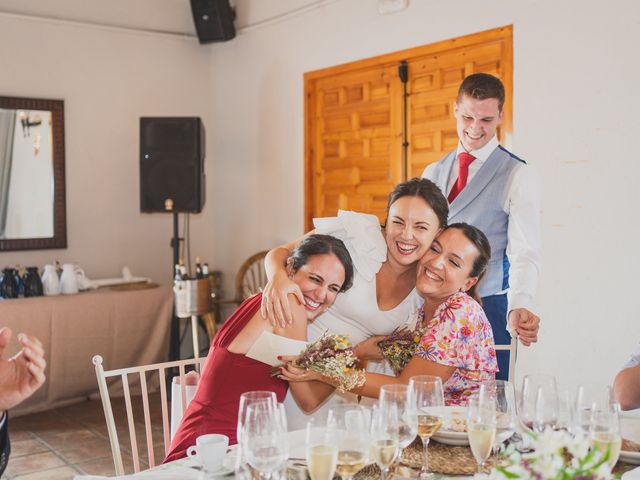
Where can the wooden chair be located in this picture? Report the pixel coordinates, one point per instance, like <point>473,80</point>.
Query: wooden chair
<point>139,375</point>
<point>250,279</point>
<point>513,356</point>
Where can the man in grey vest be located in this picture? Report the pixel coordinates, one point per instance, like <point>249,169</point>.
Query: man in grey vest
<point>492,189</point>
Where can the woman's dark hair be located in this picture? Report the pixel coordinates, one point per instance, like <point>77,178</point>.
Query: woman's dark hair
<point>425,189</point>
<point>318,244</point>
<point>481,242</point>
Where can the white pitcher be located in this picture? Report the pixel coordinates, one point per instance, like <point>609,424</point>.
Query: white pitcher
<point>68,279</point>
<point>50,282</point>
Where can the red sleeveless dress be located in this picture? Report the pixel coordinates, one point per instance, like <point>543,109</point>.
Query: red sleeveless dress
<point>226,375</point>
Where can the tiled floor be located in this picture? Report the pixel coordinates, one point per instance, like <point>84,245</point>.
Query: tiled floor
<point>65,442</point>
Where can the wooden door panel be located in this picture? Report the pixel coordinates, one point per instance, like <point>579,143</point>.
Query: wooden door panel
<point>354,119</point>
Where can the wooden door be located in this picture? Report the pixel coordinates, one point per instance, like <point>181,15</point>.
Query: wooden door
<point>354,119</point>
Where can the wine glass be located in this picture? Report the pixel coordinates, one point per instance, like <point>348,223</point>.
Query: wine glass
<point>427,398</point>
<point>348,423</point>
<point>539,402</point>
<point>504,394</point>
<point>322,451</point>
<point>604,433</point>
<point>264,438</point>
<point>385,424</point>
<point>398,395</point>
<point>246,399</point>
<point>481,426</point>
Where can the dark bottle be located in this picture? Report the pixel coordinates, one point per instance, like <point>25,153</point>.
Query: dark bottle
<point>205,269</point>
<point>199,274</point>
<point>9,283</point>
<point>32,283</point>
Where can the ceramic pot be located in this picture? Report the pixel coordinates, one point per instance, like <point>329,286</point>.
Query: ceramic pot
<point>50,281</point>
<point>32,283</point>
<point>68,280</point>
<point>9,283</point>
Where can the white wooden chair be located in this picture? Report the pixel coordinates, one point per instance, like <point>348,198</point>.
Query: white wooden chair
<point>513,356</point>
<point>140,375</point>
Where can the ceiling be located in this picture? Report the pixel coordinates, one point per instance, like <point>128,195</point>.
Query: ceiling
<point>170,16</point>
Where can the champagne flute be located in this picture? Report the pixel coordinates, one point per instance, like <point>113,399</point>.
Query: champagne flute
<point>604,433</point>
<point>348,422</point>
<point>398,395</point>
<point>264,439</point>
<point>504,394</point>
<point>385,424</point>
<point>322,451</point>
<point>427,399</point>
<point>481,425</point>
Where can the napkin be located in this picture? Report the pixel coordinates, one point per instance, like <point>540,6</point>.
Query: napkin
<point>268,346</point>
<point>632,474</point>
<point>172,473</point>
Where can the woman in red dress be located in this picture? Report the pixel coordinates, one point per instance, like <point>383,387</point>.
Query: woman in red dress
<point>321,267</point>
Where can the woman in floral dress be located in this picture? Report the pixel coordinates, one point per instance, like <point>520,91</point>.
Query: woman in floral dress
<point>457,341</point>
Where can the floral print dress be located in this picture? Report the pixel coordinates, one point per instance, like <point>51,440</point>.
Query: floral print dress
<point>459,335</point>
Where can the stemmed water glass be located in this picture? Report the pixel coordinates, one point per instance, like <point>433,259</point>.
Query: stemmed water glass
<point>349,425</point>
<point>385,425</point>
<point>398,395</point>
<point>427,399</point>
<point>246,399</point>
<point>264,438</point>
<point>322,451</point>
<point>539,402</point>
<point>481,426</point>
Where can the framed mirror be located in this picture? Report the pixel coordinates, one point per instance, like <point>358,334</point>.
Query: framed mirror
<point>32,181</point>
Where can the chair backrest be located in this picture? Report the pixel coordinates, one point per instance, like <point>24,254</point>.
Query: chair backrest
<point>140,374</point>
<point>513,356</point>
<point>251,277</point>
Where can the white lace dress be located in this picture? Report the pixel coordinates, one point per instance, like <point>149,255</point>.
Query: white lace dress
<point>355,313</point>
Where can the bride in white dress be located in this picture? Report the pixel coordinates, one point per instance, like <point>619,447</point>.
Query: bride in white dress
<point>385,258</point>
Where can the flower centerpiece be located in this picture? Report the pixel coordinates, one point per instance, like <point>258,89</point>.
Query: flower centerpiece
<point>332,355</point>
<point>556,455</point>
<point>399,347</point>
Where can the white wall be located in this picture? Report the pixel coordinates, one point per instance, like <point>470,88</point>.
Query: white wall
<point>109,78</point>
<point>575,107</point>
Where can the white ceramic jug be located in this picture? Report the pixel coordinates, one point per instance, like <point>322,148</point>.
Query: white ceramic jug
<point>50,282</point>
<point>68,279</point>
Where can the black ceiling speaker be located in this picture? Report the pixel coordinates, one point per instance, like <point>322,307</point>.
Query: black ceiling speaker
<point>171,164</point>
<point>214,20</point>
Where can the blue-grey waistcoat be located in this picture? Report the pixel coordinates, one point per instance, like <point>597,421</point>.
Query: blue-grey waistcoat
<point>481,204</point>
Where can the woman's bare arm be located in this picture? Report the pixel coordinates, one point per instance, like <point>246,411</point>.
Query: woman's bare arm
<point>275,304</point>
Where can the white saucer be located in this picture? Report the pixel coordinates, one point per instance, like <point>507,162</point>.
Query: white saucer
<point>451,437</point>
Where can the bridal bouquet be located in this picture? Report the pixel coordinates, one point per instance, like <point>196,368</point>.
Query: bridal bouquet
<point>556,455</point>
<point>332,356</point>
<point>399,347</point>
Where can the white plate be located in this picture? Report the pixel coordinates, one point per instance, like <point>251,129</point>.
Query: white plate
<point>630,457</point>
<point>451,437</point>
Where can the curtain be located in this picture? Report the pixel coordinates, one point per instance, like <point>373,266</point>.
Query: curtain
<point>7,129</point>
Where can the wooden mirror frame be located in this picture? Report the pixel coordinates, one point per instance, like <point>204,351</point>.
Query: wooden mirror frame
<point>59,239</point>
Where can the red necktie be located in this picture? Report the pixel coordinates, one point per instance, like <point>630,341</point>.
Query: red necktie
<point>464,160</point>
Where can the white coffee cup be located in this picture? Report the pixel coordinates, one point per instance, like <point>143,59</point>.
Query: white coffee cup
<point>209,451</point>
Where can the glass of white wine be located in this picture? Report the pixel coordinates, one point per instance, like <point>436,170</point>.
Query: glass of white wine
<point>427,402</point>
<point>604,433</point>
<point>481,426</point>
<point>348,422</point>
<point>322,451</point>
<point>384,446</point>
